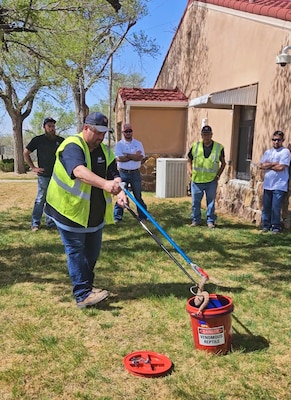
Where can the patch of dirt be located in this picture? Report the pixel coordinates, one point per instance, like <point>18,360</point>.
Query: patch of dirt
<point>19,194</point>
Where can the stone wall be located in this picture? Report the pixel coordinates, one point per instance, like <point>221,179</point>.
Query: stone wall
<point>234,196</point>
<point>148,170</point>
<point>244,198</point>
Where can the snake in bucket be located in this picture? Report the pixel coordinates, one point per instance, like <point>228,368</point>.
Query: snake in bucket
<point>201,299</point>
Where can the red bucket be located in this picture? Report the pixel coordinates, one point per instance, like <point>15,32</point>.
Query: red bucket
<point>211,329</point>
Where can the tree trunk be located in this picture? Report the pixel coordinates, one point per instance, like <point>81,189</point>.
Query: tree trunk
<point>79,95</point>
<point>18,110</point>
<point>19,166</point>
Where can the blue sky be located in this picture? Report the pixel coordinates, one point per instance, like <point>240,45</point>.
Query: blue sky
<point>161,24</point>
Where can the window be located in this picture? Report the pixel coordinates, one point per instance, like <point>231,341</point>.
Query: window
<point>245,141</point>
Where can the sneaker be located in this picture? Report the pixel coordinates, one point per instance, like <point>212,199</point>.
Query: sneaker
<point>194,224</point>
<point>117,221</point>
<point>276,231</point>
<point>93,298</point>
<point>211,225</point>
<point>35,228</point>
<point>264,230</point>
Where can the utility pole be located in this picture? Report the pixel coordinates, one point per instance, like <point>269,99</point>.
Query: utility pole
<point>110,93</point>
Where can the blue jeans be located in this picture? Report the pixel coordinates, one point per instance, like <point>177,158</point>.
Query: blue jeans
<point>272,205</point>
<point>42,185</point>
<point>197,192</point>
<point>134,179</point>
<point>82,251</point>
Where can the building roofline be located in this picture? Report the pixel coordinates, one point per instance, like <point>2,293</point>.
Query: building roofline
<point>241,8</point>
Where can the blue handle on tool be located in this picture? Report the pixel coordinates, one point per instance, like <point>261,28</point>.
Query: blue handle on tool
<point>195,267</point>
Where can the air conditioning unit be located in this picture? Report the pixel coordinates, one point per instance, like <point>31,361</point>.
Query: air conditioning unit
<point>171,177</point>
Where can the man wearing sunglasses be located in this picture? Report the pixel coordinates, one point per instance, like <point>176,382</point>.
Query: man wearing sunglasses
<point>275,162</point>
<point>129,153</point>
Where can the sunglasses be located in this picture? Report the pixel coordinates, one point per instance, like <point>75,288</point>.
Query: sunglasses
<point>277,140</point>
<point>128,131</point>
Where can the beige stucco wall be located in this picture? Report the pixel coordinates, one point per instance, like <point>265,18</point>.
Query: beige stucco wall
<point>162,131</point>
<point>158,128</point>
<point>216,49</point>
<point>148,123</point>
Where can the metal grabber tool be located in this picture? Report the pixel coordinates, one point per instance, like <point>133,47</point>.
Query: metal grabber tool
<point>201,296</point>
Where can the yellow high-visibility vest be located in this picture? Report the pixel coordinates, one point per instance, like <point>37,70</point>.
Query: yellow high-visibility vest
<point>71,197</point>
<point>205,169</point>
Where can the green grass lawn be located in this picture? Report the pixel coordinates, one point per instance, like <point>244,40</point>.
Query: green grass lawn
<point>52,350</point>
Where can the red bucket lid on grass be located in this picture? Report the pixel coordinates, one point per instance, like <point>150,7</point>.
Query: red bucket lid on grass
<point>147,364</point>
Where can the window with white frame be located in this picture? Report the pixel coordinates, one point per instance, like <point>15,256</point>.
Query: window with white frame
<point>245,141</point>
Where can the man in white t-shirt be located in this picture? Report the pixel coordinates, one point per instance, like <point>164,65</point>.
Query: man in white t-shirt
<point>129,153</point>
<point>275,162</point>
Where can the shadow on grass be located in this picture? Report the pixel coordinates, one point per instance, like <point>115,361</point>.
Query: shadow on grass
<point>247,342</point>
<point>233,244</point>
<point>37,264</point>
<point>126,246</point>
<point>179,290</point>
<point>173,214</point>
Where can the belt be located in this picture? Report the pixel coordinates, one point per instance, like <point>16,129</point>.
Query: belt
<point>128,170</point>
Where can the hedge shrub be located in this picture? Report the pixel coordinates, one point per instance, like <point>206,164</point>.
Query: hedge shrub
<point>7,165</point>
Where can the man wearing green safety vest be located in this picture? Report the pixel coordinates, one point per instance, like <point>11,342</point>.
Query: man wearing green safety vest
<point>79,201</point>
<point>206,162</point>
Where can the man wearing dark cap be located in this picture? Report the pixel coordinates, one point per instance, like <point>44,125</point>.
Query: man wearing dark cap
<point>206,162</point>
<point>45,146</point>
<point>79,201</point>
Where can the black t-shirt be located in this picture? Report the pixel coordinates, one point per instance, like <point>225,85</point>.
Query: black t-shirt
<point>73,156</point>
<point>207,151</point>
<point>45,147</point>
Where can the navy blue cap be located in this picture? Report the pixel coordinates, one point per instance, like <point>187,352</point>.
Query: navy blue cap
<point>99,120</point>
<point>206,129</point>
<point>48,119</point>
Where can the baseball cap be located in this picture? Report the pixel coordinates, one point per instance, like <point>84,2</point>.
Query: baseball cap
<point>48,119</point>
<point>206,129</point>
<point>99,120</point>
<point>127,127</point>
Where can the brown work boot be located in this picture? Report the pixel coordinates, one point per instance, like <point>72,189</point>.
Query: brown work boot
<point>194,224</point>
<point>93,299</point>
<point>96,290</point>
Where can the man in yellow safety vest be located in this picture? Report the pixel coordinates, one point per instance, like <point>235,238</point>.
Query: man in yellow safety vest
<point>79,201</point>
<point>206,162</point>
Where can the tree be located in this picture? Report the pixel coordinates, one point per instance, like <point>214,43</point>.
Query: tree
<point>119,80</point>
<point>21,74</point>
<point>71,45</point>
<point>100,34</point>
<point>18,109</point>
<point>65,125</point>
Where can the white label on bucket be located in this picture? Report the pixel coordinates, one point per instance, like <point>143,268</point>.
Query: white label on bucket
<point>211,336</point>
